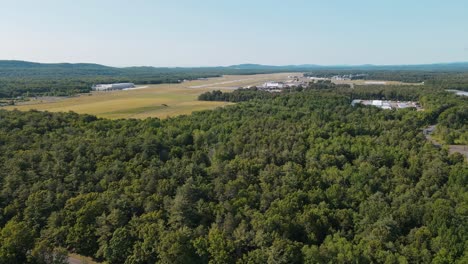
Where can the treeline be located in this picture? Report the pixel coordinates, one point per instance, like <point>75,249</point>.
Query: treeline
<point>300,177</point>
<point>440,79</point>
<point>447,110</point>
<point>450,113</point>
<point>18,78</point>
<point>65,86</point>
<point>452,127</point>
<point>388,92</point>
<point>238,95</point>
<point>371,92</point>
<point>458,81</point>
<point>11,87</point>
<point>247,94</point>
<point>386,75</point>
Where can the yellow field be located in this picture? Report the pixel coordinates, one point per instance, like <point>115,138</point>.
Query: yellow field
<point>162,100</point>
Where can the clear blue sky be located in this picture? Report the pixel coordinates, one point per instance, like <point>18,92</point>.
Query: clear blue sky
<point>218,32</point>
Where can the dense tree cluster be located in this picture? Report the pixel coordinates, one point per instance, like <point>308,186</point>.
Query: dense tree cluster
<point>239,95</point>
<point>450,113</point>
<point>247,94</point>
<point>453,125</point>
<point>300,177</point>
<point>20,85</point>
<point>457,81</point>
<point>386,92</point>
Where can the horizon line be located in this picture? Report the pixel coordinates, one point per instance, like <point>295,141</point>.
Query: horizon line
<point>247,63</point>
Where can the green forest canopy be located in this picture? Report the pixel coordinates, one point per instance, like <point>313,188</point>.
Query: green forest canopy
<point>298,177</point>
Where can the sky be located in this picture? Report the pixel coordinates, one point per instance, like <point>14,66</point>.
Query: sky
<point>227,32</point>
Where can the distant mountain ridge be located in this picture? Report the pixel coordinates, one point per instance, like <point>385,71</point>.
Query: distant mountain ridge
<point>28,64</point>
<point>452,66</point>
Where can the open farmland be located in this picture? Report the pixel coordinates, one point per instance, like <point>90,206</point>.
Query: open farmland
<point>162,100</point>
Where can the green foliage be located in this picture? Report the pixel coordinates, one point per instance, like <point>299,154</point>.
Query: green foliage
<point>453,125</point>
<point>298,177</point>
<point>120,246</point>
<point>16,239</point>
<point>45,253</point>
<point>238,95</point>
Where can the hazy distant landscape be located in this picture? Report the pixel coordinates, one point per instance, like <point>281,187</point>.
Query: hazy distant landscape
<point>19,78</point>
<point>170,92</point>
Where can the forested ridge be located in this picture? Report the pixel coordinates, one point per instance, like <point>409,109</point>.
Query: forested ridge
<point>299,177</point>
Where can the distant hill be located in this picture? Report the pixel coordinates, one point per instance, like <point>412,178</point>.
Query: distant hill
<point>35,65</point>
<point>14,64</point>
<point>260,66</point>
<point>455,66</point>
<point>22,78</point>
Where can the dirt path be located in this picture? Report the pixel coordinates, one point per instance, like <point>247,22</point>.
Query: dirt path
<point>462,149</point>
<point>72,260</point>
<point>78,259</point>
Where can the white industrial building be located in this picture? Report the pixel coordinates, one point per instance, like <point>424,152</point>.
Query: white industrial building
<point>112,86</point>
<point>273,85</point>
<point>377,103</point>
<point>386,104</point>
<point>319,78</point>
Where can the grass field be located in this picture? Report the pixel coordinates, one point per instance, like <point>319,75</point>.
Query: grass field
<point>162,100</point>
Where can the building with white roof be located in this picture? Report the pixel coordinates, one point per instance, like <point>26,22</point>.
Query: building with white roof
<point>273,85</point>
<point>112,86</point>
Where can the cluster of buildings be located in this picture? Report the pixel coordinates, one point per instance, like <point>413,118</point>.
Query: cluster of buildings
<point>319,79</point>
<point>278,86</point>
<point>112,86</point>
<point>345,77</point>
<point>384,104</point>
<point>273,85</point>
